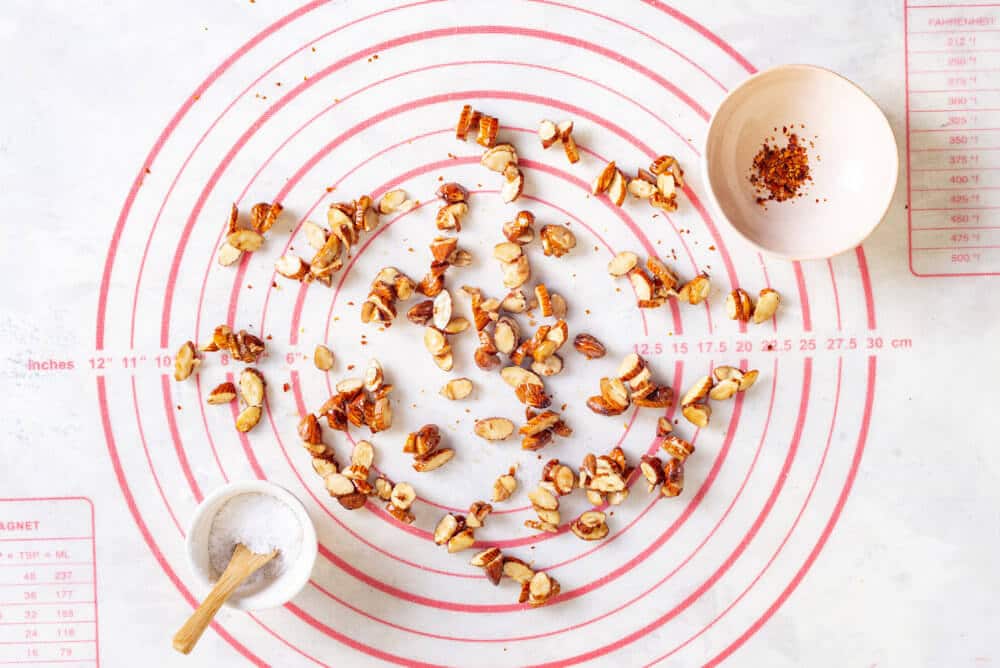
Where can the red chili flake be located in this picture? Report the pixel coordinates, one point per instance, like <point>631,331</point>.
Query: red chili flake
<point>286,387</point>
<point>778,173</point>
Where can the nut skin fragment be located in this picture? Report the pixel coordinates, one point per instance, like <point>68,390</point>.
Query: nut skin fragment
<point>767,306</point>
<point>248,418</point>
<point>223,393</point>
<point>185,361</point>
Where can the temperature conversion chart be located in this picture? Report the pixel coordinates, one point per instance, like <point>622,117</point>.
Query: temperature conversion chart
<point>48,606</point>
<point>953,138</point>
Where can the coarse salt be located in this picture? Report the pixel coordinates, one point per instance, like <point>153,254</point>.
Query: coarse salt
<point>262,523</point>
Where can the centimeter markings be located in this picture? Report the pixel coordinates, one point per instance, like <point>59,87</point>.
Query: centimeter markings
<point>162,361</point>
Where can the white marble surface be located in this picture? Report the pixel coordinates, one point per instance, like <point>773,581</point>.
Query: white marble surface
<point>907,577</point>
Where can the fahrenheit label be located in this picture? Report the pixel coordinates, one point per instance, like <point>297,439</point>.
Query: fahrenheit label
<point>953,137</point>
<point>48,595</point>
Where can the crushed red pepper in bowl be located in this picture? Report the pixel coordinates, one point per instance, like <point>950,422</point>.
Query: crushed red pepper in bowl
<point>778,172</point>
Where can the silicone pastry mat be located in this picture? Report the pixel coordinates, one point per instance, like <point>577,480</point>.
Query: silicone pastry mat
<point>818,524</point>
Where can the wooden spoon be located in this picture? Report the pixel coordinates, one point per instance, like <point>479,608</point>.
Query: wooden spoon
<point>243,564</point>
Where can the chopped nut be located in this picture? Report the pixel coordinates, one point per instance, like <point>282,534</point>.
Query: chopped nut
<point>588,346</point>
<point>767,306</point>
<point>673,484</point>
<point>603,180</point>
<point>442,310</point>
<point>222,394</point>
<point>557,240</point>
<point>617,189</point>
<point>498,158</point>
<point>558,305</point>
<point>452,192</point>
<point>456,389</point>
<point>292,266</point>
<point>748,379</point>
<point>435,341</point>
<point>569,144</point>
<point>544,301</point>
<point>513,184</point>
<point>654,396</point>
<point>445,361</point>
<point>403,495</point>
<point>228,254</point>
<point>541,589</point>
<point>422,313</point>
<point>532,395</point>
<point>494,428</point>
<point>252,387</point>
<point>323,358</point>
<point>699,390</point>
<point>465,121</point>
<point>561,477</point>
<point>591,525</point>
<point>517,570</point>
<point>264,215</point>
<point>640,188</point>
<point>456,325</point>
<point>383,488</point>
<point>540,423</point>
<point>515,376</point>
<point>663,426</point>
<point>516,273</point>
<point>338,485</point>
<point>363,455</point>
<point>488,128</point>
<point>548,133</point>
<point>623,263</point>
<point>391,201</point>
<point>643,286</point>
<point>185,361</point>
<point>350,387</point>
<point>432,460</point>
<point>462,540</point>
<point>478,512</point>
<point>725,389</point>
<point>614,393</point>
<point>697,414</point>
<point>515,302</point>
<point>677,447</point>
<point>519,230</point>
<point>507,252</point>
<point>602,406</point>
<point>550,366</point>
<point>374,376</point>
<point>248,418</point>
<point>247,241</point>
<point>738,305</point>
<point>652,470</point>
<point>661,272</point>
<point>504,486</point>
<point>447,527</point>
<point>696,290</point>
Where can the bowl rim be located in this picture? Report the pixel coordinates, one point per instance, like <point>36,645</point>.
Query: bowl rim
<point>711,186</point>
<point>272,598</point>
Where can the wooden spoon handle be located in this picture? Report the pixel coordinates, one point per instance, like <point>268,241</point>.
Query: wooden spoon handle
<point>243,564</point>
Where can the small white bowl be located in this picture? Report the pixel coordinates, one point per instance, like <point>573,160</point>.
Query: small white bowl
<point>296,573</point>
<point>854,162</point>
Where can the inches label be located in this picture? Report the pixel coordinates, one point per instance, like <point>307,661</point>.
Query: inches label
<point>953,137</point>
<point>48,591</point>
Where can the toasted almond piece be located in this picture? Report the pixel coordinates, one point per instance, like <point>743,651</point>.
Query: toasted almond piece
<point>507,252</point>
<point>480,559</point>
<point>363,454</point>
<point>252,386</point>
<point>661,164</point>
<point>494,428</point>
<point>478,511</point>
<point>456,389</point>
<point>588,346</point>
<point>452,192</point>
<point>641,380</point>
<point>435,341</point>
<point>542,498</point>
<point>403,495</point>
<point>338,484</point>
<point>323,358</point>
<point>550,366</point>
<point>291,266</point>
<point>515,376</point>
<point>590,526</point>
<point>603,180</point>
<point>660,396</point>
<point>222,394</point>
<point>442,310</point>
<point>622,263</point>
<point>504,487</point>
<point>613,391</point>
<point>245,240</point>
<point>541,588</point>
<point>677,447</point>
<point>663,426</point>
<point>374,376</point>
<point>499,157</point>
<point>517,233</point>
<point>515,302</point>
<point>447,527</point>
<point>462,540</point>
<point>422,313</point>
<point>699,390</point>
<point>465,120</point>
<point>457,325</point>
<point>557,240</point>
<point>748,379</point>
<point>532,395</point>
<point>602,406</point>
<point>353,501</point>
<point>505,335</point>
<point>726,372</point>
<point>697,414</point>
<point>665,184</point>
<point>640,188</point>
<point>228,254</point>
<point>767,305</point>
<point>642,284</point>
<point>570,148</point>
<point>383,488</point>
<point>488,128</point>
<point>652,470</point>
<point>559,308</point>
<point>725,389</point>
<point>350,386</point>
<point>445,361</point>
<point>617,189</point>
<point>517,570</point>
<point>548,133</point>
<point>539,423</point>
<point>544,301</point>
<point>432,460</point>
<point>738,305</point>
<point>661,272</point>
<point>391,201</point>
<point>551,518</point>
<point>248,418</point>
<point>673,483</point>
<point>315,234</point>
<point>595,498</point>
<point>631,366</point>
<point>516,273</point>
<point>186,361</point>
<point>513,184</point>
<point>696,290</point>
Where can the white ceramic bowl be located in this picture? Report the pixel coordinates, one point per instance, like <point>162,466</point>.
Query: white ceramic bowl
<point>854,163</point>
<point>296,573</point>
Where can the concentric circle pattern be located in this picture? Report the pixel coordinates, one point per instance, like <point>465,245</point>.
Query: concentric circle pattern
<point>339,99</point>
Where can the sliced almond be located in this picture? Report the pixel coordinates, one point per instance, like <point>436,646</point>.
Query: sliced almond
<point>767,305</point>
<point>617,189</point>
<point>696,290</point>
<point>506,335</point>
<point>551,366</point>
<point>186,361</point>
<point>350,386</point>
<point>457,389</point>
<point>374,376</point>
<point>517,570</point>
<point>245,240</point>
<point>447,527</point>
<point>497,158</point>
<point>548,133</point>
<point>622,263</point>
<point>462,540</point>
<point>432,460</point>
<point>699,390</point>
<point>513,184</point>
<point>315,234</point>
<point>228,254</point>
<point>442,310</point>
<point>494,428</point>
<point>515,376</point>
<point>640,188</point>
<point>697,414</point>
<point>445,361</point>
<point>435,341</point>
<point>248,418</point>
<point>725,389</point>
<point>507,252</point>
